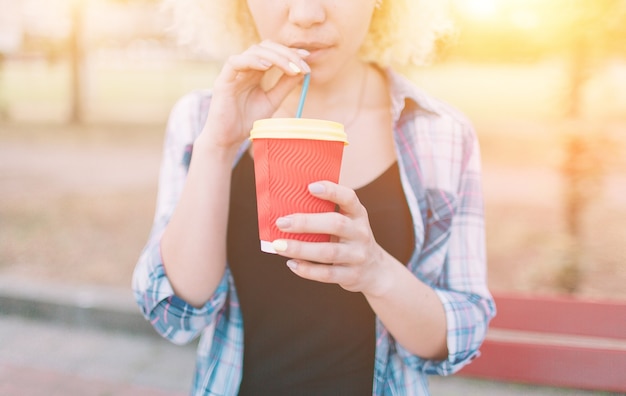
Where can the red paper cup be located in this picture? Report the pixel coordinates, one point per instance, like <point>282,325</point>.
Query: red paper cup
<point>289,154</point>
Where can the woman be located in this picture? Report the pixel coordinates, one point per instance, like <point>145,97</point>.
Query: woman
<point>400,291</point>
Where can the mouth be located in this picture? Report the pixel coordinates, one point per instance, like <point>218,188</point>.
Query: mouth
<point>308,45</point>
<point>317,50</point>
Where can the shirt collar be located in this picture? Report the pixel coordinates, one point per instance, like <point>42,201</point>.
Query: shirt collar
<point>405,96</point>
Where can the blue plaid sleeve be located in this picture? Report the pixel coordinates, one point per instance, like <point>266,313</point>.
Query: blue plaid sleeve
<point>453,258</point>
<point>172,317</point>
<point>462,286</point>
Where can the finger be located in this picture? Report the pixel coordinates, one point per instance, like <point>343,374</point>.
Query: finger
<point>324,273</point>
<point>236,64</point>
<point>332,223</point>
<point>282,88</point>
<point>319,252</point>
<point>294,57</point>
<point>262,56</point>
<point>344,197</point>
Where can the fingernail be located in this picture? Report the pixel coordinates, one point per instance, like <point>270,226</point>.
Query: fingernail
<point>305,67</point>
<point>294,68</point>
<point>316,188</point>
<point>302,52</point>
<point>283,222</point>
<point>292,264</point>
<point>279,245</point>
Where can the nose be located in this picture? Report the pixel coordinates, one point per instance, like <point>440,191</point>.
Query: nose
<point>306,13</point>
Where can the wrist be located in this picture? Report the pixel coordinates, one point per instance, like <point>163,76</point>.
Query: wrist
<point>383,277</point>
<point>215,149</point>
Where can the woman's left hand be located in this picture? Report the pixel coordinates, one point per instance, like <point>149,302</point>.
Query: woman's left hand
<point>353,259</point>
<point>409,309</point>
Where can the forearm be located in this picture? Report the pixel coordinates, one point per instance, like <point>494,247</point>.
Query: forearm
<point>411,311</point>
<point>193,246</point>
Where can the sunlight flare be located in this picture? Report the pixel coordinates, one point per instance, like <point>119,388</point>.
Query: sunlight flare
<point>479,9</point>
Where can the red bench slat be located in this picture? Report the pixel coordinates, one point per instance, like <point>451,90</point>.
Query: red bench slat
<point>555,341</point>
<point>561,315</point>
<point>581,368</point>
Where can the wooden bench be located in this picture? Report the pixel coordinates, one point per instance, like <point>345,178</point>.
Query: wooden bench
<point>555,342</point>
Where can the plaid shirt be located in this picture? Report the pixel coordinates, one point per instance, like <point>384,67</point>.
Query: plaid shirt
<point>440,171</point>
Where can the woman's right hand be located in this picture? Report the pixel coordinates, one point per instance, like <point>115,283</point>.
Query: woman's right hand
<point>239,98</point>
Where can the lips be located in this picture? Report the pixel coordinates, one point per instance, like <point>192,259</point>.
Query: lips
<point>309,46</point>
<point>317,50</point>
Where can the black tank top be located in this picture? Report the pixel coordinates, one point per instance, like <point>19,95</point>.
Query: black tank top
<point>303,337</point>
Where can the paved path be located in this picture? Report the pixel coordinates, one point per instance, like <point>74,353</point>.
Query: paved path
<point>46,358</point>
<point>87,341</point>
<point>53,359</point>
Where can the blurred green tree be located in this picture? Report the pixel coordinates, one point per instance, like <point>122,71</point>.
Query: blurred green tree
<point>597,33</point>
<point>585,34</point>
<point>591,31</point>
<point>531,30</point>
<point>77,60</point>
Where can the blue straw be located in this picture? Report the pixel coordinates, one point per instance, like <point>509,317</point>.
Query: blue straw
<point>305,89</point>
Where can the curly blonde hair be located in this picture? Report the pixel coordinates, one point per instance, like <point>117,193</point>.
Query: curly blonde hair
<point>403,33</point>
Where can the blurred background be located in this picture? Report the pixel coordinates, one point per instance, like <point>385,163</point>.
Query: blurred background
<point>86,87</point>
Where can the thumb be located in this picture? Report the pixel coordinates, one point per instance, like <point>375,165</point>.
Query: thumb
<point>283,87</point>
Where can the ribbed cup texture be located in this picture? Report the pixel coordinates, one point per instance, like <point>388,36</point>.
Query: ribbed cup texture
<point>283,170</point>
